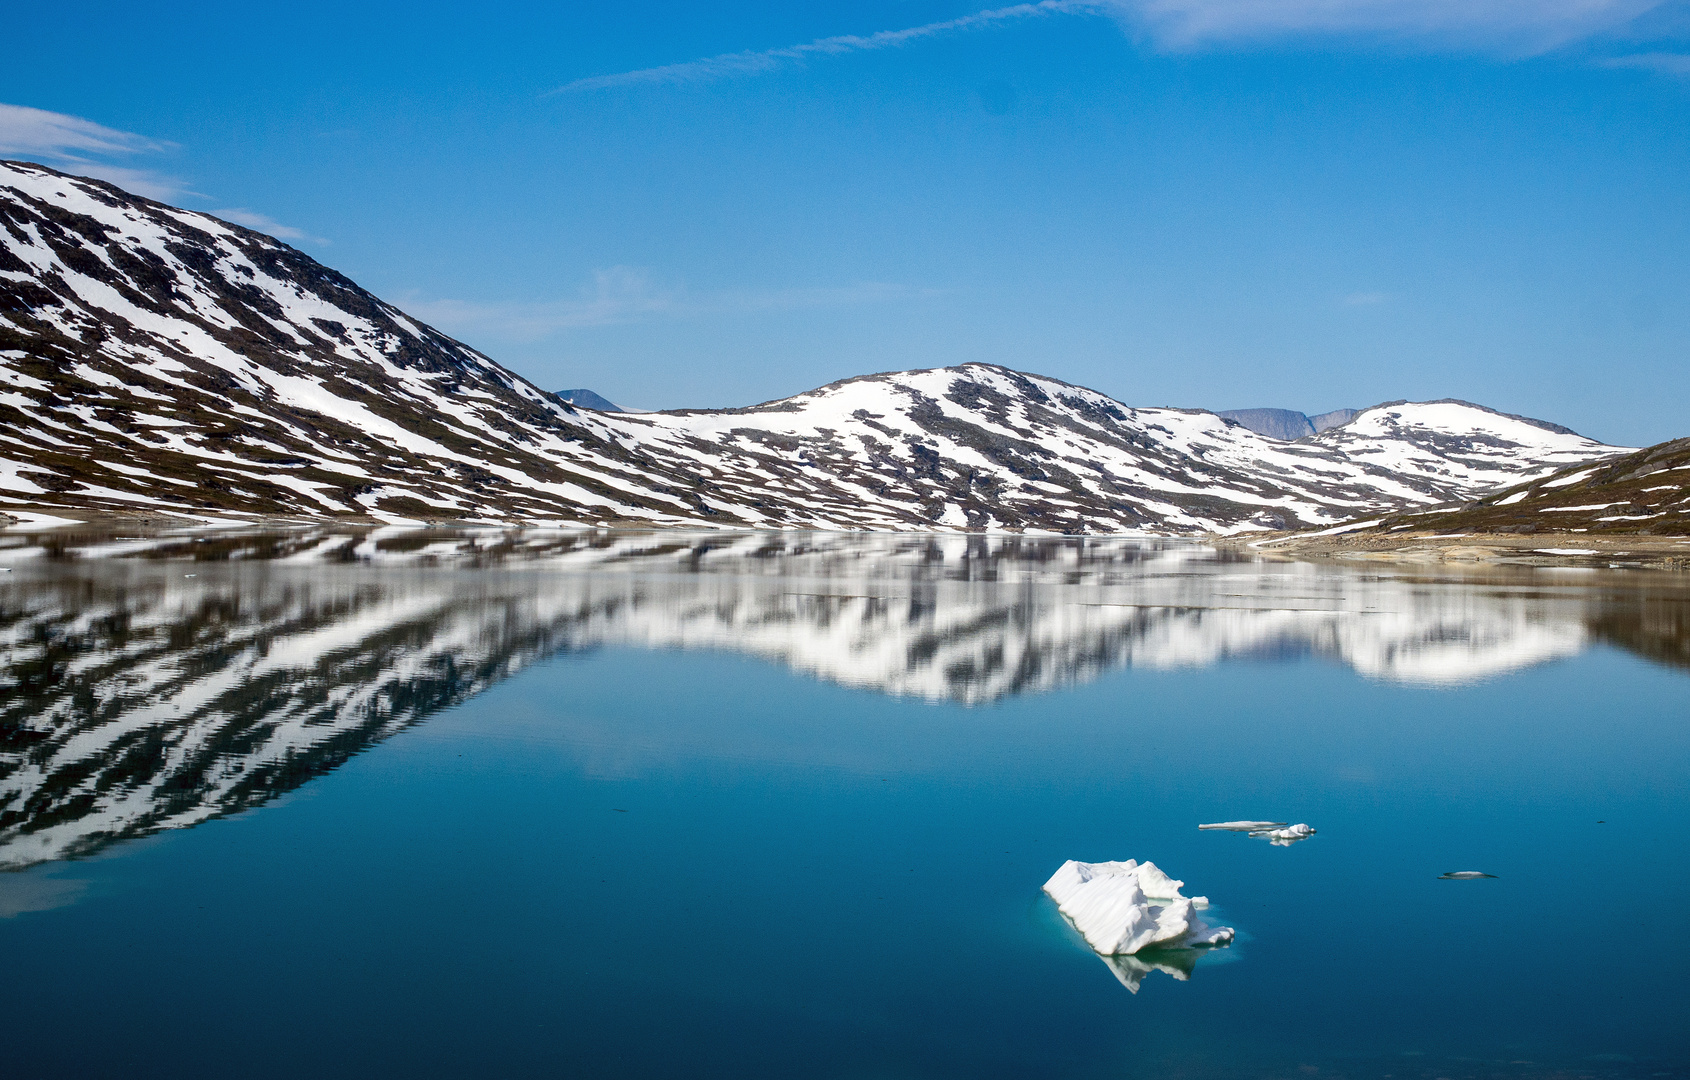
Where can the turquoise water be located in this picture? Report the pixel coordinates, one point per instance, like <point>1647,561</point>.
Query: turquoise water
<point>570,852</point>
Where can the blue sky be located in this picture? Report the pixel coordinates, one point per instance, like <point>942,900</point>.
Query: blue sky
<point>1212,203</point>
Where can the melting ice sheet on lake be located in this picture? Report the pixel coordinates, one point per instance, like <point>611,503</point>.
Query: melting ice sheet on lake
<point>1124,908</point>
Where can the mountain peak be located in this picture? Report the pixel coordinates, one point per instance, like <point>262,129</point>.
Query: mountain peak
<point>586,399</point>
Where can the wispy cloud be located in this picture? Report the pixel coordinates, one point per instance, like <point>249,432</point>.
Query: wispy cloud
<point>81,146</point>
<point>624,294</point>
<point>36,131</point>
<point>1515,25</point>
<point>1529,25</point>
<point>147,183</point>
<point>1677,64</point>
<point>75,145</point>
<point>755,61</point>
<point>252,219</point>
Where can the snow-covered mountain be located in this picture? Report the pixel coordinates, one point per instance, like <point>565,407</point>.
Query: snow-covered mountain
<point>156,359</point>
<point>135,697</point>
<point>984,448</point>
<point>1646,493</point>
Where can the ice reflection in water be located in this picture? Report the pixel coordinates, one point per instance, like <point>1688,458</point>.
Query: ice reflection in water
<point>1277,833</point>
<point>1131,970</point>
<point>141,697</point>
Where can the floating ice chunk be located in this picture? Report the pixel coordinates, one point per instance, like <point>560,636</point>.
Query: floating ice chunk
<point>1284,837</point>
<point>1110,904</point>
<point>1277,833</point>
<point>1155,884</point>
<point>1463,875</point>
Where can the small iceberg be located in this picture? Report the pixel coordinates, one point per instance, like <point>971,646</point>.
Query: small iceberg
<point>1122,908</point>
<point>1276,833</point>
<point>1244,826</point>
<point>1284,837</point>
<point>1463,875</point>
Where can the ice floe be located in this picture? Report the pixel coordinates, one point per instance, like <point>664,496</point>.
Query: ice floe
<point>1122,908</point>
<point>1464,875</point>
<point>1284,837</point>
<point>1277,833</point>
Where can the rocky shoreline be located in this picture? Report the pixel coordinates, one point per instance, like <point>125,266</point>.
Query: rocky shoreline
<point>1539,549</point>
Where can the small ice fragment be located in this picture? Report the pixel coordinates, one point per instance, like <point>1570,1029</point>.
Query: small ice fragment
<point>1284,837</point>
<point>1463,875</point>
<point>1278,833</point>
<point>1110,904</point>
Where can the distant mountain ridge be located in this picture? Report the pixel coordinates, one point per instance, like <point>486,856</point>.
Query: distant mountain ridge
<point>160,360</point>
<point>1288,424</point>
<point>589,400</point>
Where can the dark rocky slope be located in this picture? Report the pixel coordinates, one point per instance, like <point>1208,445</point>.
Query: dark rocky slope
<point>1646,493</point>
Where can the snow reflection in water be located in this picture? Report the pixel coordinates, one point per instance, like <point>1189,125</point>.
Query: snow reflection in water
<point>140,697</point>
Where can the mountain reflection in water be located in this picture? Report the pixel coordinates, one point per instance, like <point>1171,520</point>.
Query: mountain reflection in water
<point>141,693</point>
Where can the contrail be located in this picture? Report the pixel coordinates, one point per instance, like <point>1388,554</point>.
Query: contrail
<point>751,62</point>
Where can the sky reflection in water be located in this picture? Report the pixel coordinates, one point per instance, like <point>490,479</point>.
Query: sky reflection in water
<point>844,766</point>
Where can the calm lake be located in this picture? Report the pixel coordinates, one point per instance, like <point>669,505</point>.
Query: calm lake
<point>422,803</point>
